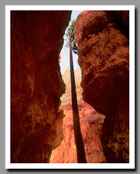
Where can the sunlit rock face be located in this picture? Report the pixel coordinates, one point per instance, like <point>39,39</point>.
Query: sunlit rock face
<point>91,126</point>
<point>103,50</point>
<point>36,84</point>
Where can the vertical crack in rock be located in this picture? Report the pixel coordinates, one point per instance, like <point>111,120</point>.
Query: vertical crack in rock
<point>36,84</point>
<point>103,49</point>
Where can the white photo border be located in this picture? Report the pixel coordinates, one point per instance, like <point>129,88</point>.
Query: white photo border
<point>131,164</point>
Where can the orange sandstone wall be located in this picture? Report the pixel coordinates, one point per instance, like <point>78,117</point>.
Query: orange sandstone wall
<point>36,84</point>
<point>103,50</point>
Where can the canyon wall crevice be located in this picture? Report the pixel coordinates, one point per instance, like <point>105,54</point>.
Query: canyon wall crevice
<point>36,84</point>
<point>103,50</point>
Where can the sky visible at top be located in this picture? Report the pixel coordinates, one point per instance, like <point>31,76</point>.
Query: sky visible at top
<point>64,62</point>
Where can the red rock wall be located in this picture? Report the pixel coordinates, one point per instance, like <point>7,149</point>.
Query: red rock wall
<point>103,49</point>
<point>36,84</point>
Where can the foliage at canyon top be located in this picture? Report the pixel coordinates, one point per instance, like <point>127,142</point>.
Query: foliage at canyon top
<point>66,36</point>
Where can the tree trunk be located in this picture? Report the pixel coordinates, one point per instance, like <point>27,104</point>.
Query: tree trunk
<point>76,123</point>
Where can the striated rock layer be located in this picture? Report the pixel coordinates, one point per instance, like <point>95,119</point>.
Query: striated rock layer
<point>91,126</point>
<point>103,49</point>
<point>36,84</point>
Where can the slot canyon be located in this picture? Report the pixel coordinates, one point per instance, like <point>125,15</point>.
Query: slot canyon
<point>41,109</point>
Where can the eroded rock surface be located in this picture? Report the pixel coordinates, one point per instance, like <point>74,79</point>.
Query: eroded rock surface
<point>103,49</point>
<point>36,84</point>
<point>91,125</point>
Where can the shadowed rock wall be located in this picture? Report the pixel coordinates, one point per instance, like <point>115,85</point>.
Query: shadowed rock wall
<point>103,49</point>
<point>36,84</point>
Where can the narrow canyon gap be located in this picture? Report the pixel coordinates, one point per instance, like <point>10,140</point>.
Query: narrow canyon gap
<point>36,87</point>
<point>103,50</point>
<point>90,120</point>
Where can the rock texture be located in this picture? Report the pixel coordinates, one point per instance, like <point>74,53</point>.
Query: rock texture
<point>36,84</point>
<point>91,126</point>
<point>103,49</point>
